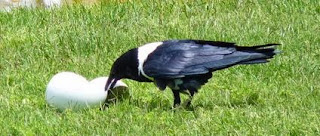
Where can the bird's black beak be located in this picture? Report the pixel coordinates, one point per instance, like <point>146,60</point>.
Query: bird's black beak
<point>110,83</point>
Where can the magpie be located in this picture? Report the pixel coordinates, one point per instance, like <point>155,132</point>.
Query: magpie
<point>184,65</point>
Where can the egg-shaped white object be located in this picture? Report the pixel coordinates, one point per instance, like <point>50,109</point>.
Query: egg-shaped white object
<point>70,90</point>
<point>119,91</point>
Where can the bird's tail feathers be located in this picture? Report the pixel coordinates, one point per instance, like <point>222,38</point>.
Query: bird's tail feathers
<point>260,53</point>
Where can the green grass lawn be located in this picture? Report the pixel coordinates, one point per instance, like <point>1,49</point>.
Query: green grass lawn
<point>278,98</point>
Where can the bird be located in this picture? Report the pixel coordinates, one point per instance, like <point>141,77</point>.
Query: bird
<point>184,65</point>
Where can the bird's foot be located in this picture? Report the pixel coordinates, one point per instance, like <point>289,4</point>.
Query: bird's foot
<point>177,107</point>
<point>187,104</point>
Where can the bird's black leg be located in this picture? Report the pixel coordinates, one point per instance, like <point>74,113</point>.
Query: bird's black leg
<point>192,92</point>
<point>177,99</point>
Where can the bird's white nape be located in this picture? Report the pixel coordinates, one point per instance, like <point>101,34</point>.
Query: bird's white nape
<point>143,53</point>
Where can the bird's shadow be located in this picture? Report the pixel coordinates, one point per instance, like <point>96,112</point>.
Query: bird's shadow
<point>165,104</point>
<point>248,100</point>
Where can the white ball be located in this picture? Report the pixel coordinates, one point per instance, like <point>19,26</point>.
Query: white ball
<point>52,3</point>
<point>70,90</point>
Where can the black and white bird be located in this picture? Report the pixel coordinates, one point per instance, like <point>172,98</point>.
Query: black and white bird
<point>184,65</point>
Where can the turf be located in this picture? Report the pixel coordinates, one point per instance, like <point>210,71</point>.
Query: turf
<point>278,98</point>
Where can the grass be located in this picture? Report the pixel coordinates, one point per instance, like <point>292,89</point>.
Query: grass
<point>278,98</point>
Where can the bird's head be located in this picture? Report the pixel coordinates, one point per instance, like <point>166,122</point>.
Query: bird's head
<point>126,66</point>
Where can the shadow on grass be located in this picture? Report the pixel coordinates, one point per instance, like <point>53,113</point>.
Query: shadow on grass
<point>151,105</point>
<point>251,99</point>
<point>159,104</point>
<point>155,102</point>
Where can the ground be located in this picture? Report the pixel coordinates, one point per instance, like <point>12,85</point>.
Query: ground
<point>278,98</point>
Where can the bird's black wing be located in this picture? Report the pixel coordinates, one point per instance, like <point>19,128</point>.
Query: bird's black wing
<point>179,58</point>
